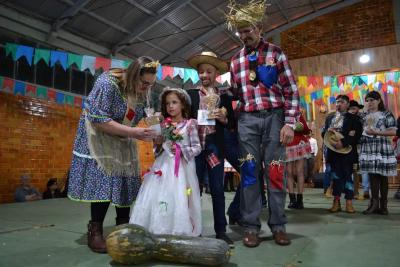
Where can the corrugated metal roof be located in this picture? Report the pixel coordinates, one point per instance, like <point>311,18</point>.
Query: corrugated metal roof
<point>111,25</point>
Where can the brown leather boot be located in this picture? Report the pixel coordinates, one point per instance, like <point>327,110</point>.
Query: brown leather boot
<point>96,241</point>
<point>349,206</point>
<point>119,221</point>
<point>335,206</point>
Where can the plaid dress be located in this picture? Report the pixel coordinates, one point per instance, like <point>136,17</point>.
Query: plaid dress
<point>376,153</point>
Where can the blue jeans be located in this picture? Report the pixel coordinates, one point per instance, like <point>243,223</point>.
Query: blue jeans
<point>327,176</point>
<point>216,184</point>
<point>365,181</point>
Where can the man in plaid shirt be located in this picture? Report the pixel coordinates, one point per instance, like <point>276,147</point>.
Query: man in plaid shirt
<point>263,83</point>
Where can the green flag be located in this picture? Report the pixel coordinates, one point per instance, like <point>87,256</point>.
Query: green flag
<point>334,81</point>
<point>11,49</point>
<point>41,54</point>
<point>69,99</point>
<point>41,92</point>
<point>75,59</point>
<point>397,76</point>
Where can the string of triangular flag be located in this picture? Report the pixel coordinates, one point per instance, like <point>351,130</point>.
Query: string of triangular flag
<point>16,87</point>
<point>91,63</point>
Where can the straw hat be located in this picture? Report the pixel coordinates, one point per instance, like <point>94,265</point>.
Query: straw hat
<point>243,15</point>
<point>208,58</point>
<point>331,137</point>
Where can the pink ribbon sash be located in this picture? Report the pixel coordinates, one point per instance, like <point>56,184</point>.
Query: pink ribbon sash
<point>177,159</point>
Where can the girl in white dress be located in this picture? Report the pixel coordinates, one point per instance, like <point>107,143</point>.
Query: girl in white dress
<point>169,199</point>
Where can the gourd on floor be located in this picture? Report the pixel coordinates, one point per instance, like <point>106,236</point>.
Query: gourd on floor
<point>132,244</point>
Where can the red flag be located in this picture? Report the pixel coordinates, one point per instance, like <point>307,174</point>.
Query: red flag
<point>8,85</point>
<point>104,63</point>
<point>167,71</point>
<point>51,95</point>
<point>78,101</point>
<point>30,90</point>
<point>341,79</point>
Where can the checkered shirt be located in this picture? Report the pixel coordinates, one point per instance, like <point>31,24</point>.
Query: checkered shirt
<point>283,94</point>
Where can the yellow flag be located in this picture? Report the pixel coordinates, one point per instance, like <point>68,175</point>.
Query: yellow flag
<point>380,77</point>
<point>307,98</point>
<point>327,92</point>
<point>302,81</point>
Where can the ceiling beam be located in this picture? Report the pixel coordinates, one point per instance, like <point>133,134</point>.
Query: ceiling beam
<point>184,49</point>
<point>148,23</point>
<point>282,11</point>
<point>66,16</point>
<point>141,7</point>
<point>37,30</point>
<point>115,26</point>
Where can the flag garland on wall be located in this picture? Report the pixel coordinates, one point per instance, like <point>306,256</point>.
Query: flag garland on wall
<point>91,63</point>
<point>318,91</point>
<point>17,87</point>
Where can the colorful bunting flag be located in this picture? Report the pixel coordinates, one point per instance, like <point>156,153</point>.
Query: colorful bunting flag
<point>327,92</point>
<point>60,98</point>
<point>69,99</point>
<point>19,88</point>
<point>77,101</point>
<point>41,54</point>
<point>75,59</point>
<point>60,57</point>
<point>88,63</point>
<point>396,77</point>
<point>307,98</point>
<point>41,92</point>
<point>192,75</point>
<point>159,73</point>
<point>380,77</point>
<point>24,51</point>
<point>371,78</point>
<point>11,49</point>
<point>8,85</point>
<point>51,95</point>
<point>30,90</point>
<point>314,96</point>
<point>302,82</point>
<point>167,71</point>
<point>179,72</point>
<point>341,80</point>
<point>327,80</point>
<point>103,63</point>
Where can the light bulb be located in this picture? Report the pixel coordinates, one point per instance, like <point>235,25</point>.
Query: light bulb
<point>364,59</point>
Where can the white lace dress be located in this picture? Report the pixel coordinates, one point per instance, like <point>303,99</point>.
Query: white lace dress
<point>167,204</point>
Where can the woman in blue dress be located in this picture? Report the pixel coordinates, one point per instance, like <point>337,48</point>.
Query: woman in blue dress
<point>105,167</point>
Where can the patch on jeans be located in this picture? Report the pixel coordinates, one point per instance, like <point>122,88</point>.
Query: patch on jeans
<point>247,169</point>
<point>349,186</point>
<point>276,172</point>
<point>212,160</point>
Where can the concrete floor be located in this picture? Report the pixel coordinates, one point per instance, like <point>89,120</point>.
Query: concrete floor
<point>53,233</point>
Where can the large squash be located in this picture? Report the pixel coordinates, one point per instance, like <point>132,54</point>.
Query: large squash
<point>132,244</point>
